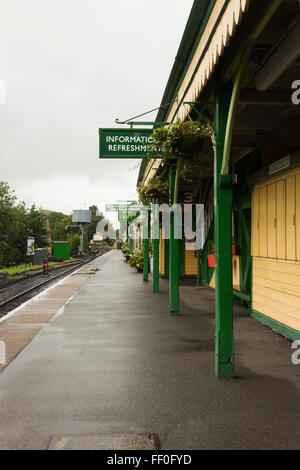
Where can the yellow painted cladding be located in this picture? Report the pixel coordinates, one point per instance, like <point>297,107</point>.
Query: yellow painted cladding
<point>276,248</point>
<point>298,216</point>
<point>190,263</point>
<point>276,218</point>
<point>262,223</point>
<point>271,221</point>
<point>235,274</point>
<point>291,218</point>
<point>276,290</point>
<point>280,222</point>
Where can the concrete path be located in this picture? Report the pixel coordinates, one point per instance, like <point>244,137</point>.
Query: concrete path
<point>114,362</point>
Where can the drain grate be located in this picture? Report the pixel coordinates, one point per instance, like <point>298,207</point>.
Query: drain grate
<point>98,442</point>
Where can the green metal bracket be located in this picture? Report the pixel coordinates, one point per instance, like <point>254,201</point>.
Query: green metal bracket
<point>131,120</point>
<point>238,81</point>
<point>192,105</point>
<point>147,123</point>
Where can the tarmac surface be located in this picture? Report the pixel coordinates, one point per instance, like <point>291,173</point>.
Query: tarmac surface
<point>112,362</point>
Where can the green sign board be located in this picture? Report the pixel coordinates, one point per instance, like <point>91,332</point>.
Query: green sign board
<point>127,143</point>
<point>128,212</point>
<point>113,207</point>
<point>133,210</point>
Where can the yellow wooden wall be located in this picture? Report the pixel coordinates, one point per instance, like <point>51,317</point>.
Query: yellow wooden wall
<point>235,274</point>
<point>276,218</point>
<point>190,263</point>
<point>276,290</point>
<point>162,246</point>
<point>276,248</point>
<point>137,244</point>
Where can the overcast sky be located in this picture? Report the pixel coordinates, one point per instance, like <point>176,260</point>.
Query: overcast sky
<point>70,67</point>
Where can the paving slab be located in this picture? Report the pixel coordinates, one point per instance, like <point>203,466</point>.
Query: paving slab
<point>15,339</point>
<point>113,362</point>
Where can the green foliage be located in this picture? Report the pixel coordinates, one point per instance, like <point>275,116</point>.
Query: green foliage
<point>74,240</point>
<point>36,226</point>
<point>54,217</point>
<point>137,260</point>
<point>178,139</point>
<point>59,221</point>
<point>7,220</point>
<point>58,228</point>
<point>24,267</point>
<point>16,224</point>
<point>125,249</point>
<point>156,187</point>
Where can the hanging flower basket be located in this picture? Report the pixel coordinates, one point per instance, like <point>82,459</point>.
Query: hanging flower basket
<point>157,187</point>
<point>181,139</point>
<point>189,145</point>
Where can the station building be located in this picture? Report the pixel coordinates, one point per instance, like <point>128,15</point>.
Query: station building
<point>238,67</point>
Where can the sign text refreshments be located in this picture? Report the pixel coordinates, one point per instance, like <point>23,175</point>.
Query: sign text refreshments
<point>127,143</point>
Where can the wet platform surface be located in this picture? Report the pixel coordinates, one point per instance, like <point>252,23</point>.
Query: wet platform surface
<point>112,362</point>
<point>19,327</point>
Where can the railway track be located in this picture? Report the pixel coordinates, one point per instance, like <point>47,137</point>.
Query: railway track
<point>20,297</point>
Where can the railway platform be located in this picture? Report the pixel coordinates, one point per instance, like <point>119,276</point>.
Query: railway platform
<point>102,357</point>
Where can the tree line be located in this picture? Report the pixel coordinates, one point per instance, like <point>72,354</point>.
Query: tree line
<point>18,222</point>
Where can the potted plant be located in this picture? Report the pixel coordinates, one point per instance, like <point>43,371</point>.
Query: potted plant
<point>139,263</point>
<point>137,260</point>
<point>126,252</point>
<point>156,187</point>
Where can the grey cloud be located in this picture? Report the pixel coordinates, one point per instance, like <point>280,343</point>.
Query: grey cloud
<point>70,67</point>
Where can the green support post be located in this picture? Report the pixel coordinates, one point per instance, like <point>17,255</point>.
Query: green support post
<point>223,241</point>
<point>146,250</point>
<point>155,244</point>
<point>174,252</point>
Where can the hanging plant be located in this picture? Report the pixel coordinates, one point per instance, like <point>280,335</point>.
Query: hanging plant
<point>181,139</point>
<point>156,187</point>
<point>194,167</point>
